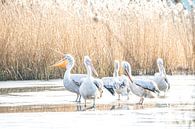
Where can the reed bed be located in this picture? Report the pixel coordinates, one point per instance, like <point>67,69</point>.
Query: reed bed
<point>136,31</point>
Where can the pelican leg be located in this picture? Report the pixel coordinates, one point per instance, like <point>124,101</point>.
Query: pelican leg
<point>119,97</point>
<point>158,94</point>
<point>128,96</point>
<point>78,107</point>
<point>94,103</point>
<point>85,103</point>
<point>77,98</point>
<point>128,91</point>
<point>141,101</point>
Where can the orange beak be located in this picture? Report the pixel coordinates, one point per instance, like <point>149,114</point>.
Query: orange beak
<point>62,64</point>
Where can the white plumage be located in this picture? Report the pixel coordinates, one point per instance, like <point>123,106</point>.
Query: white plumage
<point>71,82</point>
<point>90,88</point>
<point>123,87</point>
<point>117,84</point>
<point>160,77</point>
<point>143,88</point>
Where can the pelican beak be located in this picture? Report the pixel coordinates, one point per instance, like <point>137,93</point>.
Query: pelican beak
<point>128,75</point>
<point>62,64</point>
<point>94,71</point>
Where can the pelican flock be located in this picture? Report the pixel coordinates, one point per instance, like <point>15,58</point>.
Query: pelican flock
<point>117,84</point>
<point>89,87</point>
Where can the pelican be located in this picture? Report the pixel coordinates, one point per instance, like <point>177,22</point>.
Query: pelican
<point>71,82</point>
<point>91,88</point>
<point>160,77</point>
<point>117,84</point>
<point>142,88</point>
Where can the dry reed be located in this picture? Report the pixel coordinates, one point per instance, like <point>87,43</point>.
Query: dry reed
<point>136,31</point>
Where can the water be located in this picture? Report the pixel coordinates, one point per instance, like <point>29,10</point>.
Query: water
<point>46,105</point>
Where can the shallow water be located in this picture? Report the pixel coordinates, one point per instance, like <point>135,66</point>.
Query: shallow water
<point>46,104</point>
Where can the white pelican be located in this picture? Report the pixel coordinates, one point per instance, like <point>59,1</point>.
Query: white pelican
<point>160,78</point>
<point>71,82</point>
<point>90,88</point>
<point>118,84</point>
<point>142,88</point>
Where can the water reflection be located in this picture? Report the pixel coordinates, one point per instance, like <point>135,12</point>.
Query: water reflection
<point>176,109</point>
<point>80,107</point>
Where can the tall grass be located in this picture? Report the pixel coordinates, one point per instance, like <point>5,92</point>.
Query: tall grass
<point>136,31</point>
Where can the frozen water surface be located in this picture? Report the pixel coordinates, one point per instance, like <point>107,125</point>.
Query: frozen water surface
<point>47,105</point>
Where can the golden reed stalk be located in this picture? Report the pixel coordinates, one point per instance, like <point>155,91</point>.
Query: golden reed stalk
<point>138,32</point>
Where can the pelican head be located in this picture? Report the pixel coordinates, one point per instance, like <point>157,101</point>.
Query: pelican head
<point>127,69</point>
<point>159,62</point>
<point>126,66</point>
<point>160,66</point>
<point>67,62</point>
<point>89,65</point>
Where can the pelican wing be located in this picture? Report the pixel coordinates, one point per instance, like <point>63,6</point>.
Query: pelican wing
<point>110,84</point>
<point>111,90</point>
<point>146,84</point>
<point>161,81</point>
<point>98,82</point>
<point>78,78</point>
<point>124,81</point>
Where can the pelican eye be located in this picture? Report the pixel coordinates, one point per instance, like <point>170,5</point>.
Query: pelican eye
<point>88,62</point>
